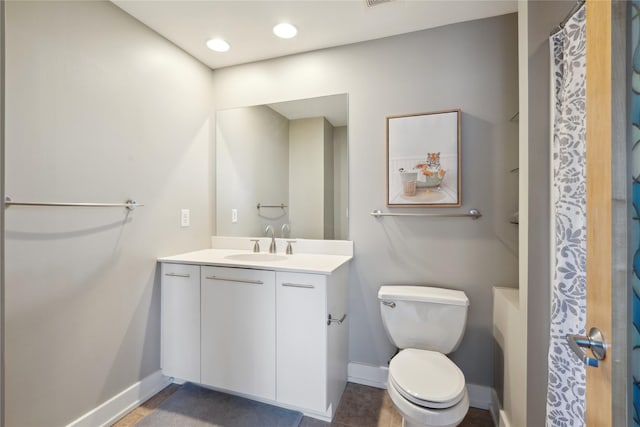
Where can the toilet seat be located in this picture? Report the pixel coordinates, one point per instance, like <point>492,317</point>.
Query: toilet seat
<point>427,378</point>
<point>414,415</point>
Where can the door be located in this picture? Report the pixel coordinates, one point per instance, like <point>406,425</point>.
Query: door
<point>238,347</point>
<point>301,331</point>
<point>606,220</point>
<point>598,14</point>
<point>180,321</point>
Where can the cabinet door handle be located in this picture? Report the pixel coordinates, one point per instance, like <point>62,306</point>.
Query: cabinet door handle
<point>339,321</point>
<point>177,275</point>
<point>298,285</point>
<point>227,279</point>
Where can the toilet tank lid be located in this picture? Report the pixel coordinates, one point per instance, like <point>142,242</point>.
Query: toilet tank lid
<point>423,294</point>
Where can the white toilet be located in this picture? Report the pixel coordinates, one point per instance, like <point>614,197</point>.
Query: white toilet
<point>425,323</point>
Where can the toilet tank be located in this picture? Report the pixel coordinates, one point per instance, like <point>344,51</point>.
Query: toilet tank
<point>424,317</point>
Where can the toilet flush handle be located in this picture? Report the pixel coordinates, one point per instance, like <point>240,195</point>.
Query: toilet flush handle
<point>389,304</point>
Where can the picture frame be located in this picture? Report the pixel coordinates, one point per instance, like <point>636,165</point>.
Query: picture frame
<point>424,160</point>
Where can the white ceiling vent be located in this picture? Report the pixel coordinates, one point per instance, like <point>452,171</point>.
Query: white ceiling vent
<point>371,3</point>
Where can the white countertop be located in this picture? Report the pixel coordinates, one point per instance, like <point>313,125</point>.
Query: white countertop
<point>302,262</point>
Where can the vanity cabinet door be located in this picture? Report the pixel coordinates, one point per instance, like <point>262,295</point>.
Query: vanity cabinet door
<point>302,340</point>
<point>180,324</point>
<point>238,330</point>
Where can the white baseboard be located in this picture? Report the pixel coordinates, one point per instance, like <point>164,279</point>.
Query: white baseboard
<point>479,396</point>
<point>118,406</point>
<point>504,420</point>
<point>376,376</point>
<point>373,376</point>
<point>494,408</point>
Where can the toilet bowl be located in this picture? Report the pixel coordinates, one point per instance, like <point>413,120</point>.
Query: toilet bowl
<point>426,323</point>
<point>427,389</point>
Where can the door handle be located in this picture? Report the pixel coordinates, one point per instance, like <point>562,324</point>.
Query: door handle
<point>230,279</point>
<point>177,275</point>
<point>594,341</point>
<point>298,285</point>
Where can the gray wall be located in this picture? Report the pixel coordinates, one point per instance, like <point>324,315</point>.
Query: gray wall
<point>307,177</point>
<point>472,66</point>
<point>252,163</point>
<point>543,16</point>
<point>100,108</point>
<point>340,182</point>
<point>327,158</point>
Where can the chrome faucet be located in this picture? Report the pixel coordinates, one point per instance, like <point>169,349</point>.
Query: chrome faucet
<point>272,246</point>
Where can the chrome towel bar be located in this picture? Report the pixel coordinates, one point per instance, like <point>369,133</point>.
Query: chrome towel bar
<point>129,204</point>
<point>473,214</point>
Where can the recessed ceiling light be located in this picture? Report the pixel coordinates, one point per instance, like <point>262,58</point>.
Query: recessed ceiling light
<point>285,31</point>
<point>218,45</point>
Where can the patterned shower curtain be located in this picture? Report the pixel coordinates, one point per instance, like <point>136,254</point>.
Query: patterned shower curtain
<point>566,387</point>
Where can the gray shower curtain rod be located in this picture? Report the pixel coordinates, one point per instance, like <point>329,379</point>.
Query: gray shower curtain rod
<point>576,7</point>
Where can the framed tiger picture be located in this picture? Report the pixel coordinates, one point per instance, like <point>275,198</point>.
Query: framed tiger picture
<point>423,160</point>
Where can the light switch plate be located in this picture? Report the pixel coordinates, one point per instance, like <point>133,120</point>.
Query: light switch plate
<point>234,215</point>
<point>185,217</point>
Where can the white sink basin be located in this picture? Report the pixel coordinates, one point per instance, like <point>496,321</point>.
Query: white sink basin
<point>261,257</point>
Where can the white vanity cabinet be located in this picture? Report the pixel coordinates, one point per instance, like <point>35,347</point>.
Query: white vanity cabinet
<point>238,312</point>
<point>260,329</point>
<point>312,350</point>
<point>180,324</point>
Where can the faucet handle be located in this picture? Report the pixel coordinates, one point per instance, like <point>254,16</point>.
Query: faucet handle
<point>256,245</point>
<point>289,248</point>
<point>285,231</point>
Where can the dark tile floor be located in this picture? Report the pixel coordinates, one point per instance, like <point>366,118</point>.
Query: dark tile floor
<point>361,406</point>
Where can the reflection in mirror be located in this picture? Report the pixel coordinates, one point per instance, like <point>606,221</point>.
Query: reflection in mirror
<point>284,163</point>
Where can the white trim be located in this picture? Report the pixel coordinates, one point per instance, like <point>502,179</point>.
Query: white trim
<point>504,420</point>
<point>495,408</point>
<point>479,396</point>
<point>376,376</point>
<point>373,376</point>
<point>123,402</point>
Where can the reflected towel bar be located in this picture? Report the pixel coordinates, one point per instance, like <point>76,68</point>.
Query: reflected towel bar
<point>129,204</point>
<point>281,206</point>
<point>473,214</point>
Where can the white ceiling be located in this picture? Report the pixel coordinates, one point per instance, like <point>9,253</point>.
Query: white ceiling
<point>247,25</point>
<point>335,108</point>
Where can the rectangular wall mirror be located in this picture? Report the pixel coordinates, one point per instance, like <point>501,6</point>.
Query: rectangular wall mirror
<point>423,152</point>
<point>284,163</point>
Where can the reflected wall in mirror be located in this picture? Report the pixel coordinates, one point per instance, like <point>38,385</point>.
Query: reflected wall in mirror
<point>289,158</point>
